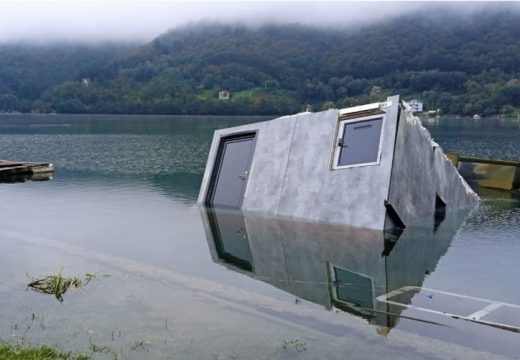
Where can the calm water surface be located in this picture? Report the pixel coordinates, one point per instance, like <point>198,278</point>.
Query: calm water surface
<point>176,282</point>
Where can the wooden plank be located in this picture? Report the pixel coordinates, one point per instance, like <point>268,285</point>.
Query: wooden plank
<point>10,168</point>
<point>4,163</point>
<point>6,171</point>
<point>42,168</point>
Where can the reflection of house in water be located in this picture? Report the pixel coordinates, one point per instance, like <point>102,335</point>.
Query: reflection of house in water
<point>336,266</point>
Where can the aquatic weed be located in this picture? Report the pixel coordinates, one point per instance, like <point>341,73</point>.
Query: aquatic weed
<point>140,345</point>
<point>58,284</point>
<point>96,349</point>
<point>297,344</point>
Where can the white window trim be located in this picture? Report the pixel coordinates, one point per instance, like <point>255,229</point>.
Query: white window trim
<point>339,135</point>
<point>333,280</point>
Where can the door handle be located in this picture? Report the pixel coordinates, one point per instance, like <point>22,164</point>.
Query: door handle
<point>243,176</point>
<point>242,233</point>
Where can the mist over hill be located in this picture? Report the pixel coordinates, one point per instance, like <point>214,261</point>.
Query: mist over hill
<point>461,64</point>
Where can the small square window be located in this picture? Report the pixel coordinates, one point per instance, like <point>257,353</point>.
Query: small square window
<point>358,142</point>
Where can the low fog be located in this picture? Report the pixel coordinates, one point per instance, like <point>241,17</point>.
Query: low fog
<point>100,21</point>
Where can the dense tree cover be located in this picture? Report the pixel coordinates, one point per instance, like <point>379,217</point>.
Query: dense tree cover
<point>27,71</point>
<point>460,64</point>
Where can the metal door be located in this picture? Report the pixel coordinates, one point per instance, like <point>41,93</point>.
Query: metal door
<point>231,171</point>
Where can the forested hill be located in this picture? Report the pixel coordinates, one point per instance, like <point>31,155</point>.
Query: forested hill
<point>28,71</point>
<point>460,64</point>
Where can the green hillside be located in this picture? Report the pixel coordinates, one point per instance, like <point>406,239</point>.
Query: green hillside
<point>461,64</point>
<point>28,71</point>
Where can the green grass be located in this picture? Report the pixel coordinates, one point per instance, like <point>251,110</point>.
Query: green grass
<point>260,93</point>
<point>208,95</point>
<point>254,93</point>
<point>20,352</point>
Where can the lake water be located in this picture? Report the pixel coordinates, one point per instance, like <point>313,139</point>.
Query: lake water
<point>122,205</point>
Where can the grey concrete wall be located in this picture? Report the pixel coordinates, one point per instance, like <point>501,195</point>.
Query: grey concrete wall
<point>355,195</point>
<point>291,173</point>
<point>412,185</point>
<point>268,169</point>
<point>420,171</point>
<point>451,187</point>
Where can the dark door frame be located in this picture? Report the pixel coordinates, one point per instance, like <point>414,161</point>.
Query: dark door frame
<point>217,163</point>
<point>219,243</point>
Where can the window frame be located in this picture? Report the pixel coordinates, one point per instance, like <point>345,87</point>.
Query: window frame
<point>333,291</point>
<point>340,133</point>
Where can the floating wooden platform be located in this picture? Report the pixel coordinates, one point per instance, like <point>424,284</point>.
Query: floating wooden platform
<point>12,171</point>
<point>490,173</point>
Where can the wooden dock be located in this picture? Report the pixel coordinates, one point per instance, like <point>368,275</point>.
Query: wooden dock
<point>19,171</point>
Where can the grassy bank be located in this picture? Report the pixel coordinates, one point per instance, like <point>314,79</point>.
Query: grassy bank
<point>19,352</point>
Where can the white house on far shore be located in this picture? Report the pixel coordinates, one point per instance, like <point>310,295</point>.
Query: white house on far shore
<point>224,95</point>
<point>416,105</point>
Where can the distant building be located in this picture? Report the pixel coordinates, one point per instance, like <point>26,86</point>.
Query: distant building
<point>376,90</point>
<point>416,105</point>
<point>224,95</point>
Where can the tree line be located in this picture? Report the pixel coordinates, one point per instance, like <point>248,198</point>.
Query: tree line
<point>461,64</point>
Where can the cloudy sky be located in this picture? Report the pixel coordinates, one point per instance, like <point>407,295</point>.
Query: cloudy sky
<point>75,20</point>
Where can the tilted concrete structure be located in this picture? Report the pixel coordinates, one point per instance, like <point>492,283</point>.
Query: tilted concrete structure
<point>373,166</point>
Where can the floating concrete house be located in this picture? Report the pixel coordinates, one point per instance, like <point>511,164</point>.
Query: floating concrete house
<point>373,166</point>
